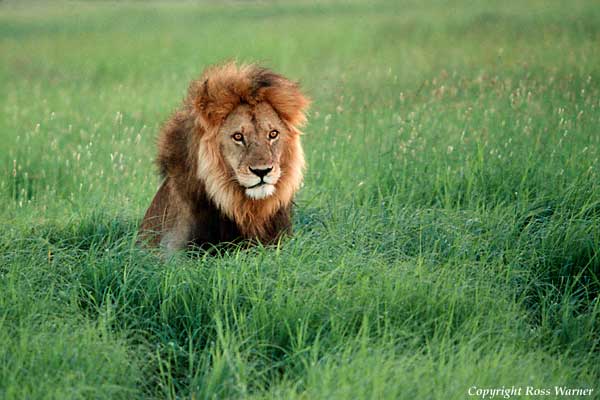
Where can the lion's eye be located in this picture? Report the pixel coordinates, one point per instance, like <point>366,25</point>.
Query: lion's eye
<point>238,137</point>
<point>273,134</point>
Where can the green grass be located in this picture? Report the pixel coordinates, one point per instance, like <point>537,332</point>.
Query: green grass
<point>447,235</point>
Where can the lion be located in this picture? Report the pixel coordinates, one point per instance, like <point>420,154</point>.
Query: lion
<point>230,159</point>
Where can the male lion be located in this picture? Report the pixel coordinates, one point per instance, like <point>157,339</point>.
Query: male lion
<point>231,160</point>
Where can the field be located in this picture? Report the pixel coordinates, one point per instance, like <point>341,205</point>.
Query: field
<point>446,239</point>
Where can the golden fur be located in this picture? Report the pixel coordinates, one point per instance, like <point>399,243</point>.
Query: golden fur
<point>201,164</point>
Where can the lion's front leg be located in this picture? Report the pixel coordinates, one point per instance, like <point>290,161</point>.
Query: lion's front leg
<point>179,235</point>
<point>168,220</point>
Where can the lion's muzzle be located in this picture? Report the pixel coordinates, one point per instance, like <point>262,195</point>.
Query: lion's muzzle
<point>260,182</point>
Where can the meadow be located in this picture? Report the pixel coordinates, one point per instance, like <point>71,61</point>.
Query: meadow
<point>446,238</point>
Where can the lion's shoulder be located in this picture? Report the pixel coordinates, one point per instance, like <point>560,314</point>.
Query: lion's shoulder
<point>174,142</point>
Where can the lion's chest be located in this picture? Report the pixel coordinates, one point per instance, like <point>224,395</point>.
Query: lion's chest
<point>211,227</point>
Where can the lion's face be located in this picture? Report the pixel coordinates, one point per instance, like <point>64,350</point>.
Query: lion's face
<point>247,144</point>
<point>251,141</point>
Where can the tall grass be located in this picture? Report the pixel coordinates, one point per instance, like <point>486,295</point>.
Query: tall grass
<point>446,237</point>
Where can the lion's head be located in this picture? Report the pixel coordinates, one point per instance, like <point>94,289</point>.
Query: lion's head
<point>249,154</point>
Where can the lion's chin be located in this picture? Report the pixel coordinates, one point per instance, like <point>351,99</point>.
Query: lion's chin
<point>260,192</point>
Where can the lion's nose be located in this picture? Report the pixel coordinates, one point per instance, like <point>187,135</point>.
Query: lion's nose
<point>261,172</point>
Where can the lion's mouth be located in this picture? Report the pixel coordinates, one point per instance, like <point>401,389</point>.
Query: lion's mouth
<point>261,183</point>
<point>260,191</point>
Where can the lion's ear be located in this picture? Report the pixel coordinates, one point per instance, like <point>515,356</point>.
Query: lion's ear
<point>291,104</point>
